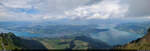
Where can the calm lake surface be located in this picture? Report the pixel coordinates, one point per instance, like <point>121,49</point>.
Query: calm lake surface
<point>20,34</point>
<point>112,36</point>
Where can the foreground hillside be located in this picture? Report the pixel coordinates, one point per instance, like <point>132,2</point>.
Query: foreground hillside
<point>8,41</point>
<point>141,43</point>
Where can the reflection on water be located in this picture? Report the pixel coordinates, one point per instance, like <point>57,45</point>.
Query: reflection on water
<point>115,37</point>
<point>112,36</point>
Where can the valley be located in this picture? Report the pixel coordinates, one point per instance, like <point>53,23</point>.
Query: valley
<point>55,36</point>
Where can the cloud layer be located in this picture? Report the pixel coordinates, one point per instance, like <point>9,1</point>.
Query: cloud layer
<point>72,9</point>
<point>101,10</point>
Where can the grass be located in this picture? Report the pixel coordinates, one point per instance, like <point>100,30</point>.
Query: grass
<point>7,41</point>
<point>140,45</point>
<point>63,43</point>
<point>81,45</point>
<point>55,43</point>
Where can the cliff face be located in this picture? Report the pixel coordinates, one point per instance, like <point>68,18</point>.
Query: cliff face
<point>141,43</point>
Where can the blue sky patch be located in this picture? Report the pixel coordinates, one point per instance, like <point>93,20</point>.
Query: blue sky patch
<point>28,11</point>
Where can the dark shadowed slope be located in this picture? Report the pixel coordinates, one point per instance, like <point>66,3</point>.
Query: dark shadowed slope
<point>30,44</point>
<point>9,41</point>
<point>93,43</point>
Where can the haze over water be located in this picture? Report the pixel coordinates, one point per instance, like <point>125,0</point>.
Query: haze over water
<point>111,36</point>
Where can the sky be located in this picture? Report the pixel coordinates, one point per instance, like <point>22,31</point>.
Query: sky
<point>30,10</point>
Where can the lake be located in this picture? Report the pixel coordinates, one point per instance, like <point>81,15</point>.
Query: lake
<point>115,37</point>
<point>21,34</point>
<point>111,37</point>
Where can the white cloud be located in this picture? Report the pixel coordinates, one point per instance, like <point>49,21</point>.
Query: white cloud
<point>16,3</point>
<point>49,9</point>
<point>70,9</point>
<point>102,10</point>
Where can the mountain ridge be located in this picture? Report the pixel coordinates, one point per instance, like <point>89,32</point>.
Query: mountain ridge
<point>9,41</point>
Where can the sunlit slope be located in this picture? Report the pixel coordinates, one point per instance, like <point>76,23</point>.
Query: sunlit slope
<point>79,42</point>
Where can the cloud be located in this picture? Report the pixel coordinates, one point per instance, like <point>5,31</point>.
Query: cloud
<point>72,9</point>
<point>16,3</point>
<point>101,10</point>
<point>38,9</point>
<point>138,8</point>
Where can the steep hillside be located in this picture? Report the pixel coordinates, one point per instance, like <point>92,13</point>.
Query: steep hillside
<point>141,43</point>
<point>8,41</point>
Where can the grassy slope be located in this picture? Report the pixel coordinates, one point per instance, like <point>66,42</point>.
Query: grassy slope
<point>64,43</point>
<point>8,41</point>
<point>80,42</point>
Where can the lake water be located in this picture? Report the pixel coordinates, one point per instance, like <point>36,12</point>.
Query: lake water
<point>21,34</point>
<point>116,37</point>
<point>112,37</point>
